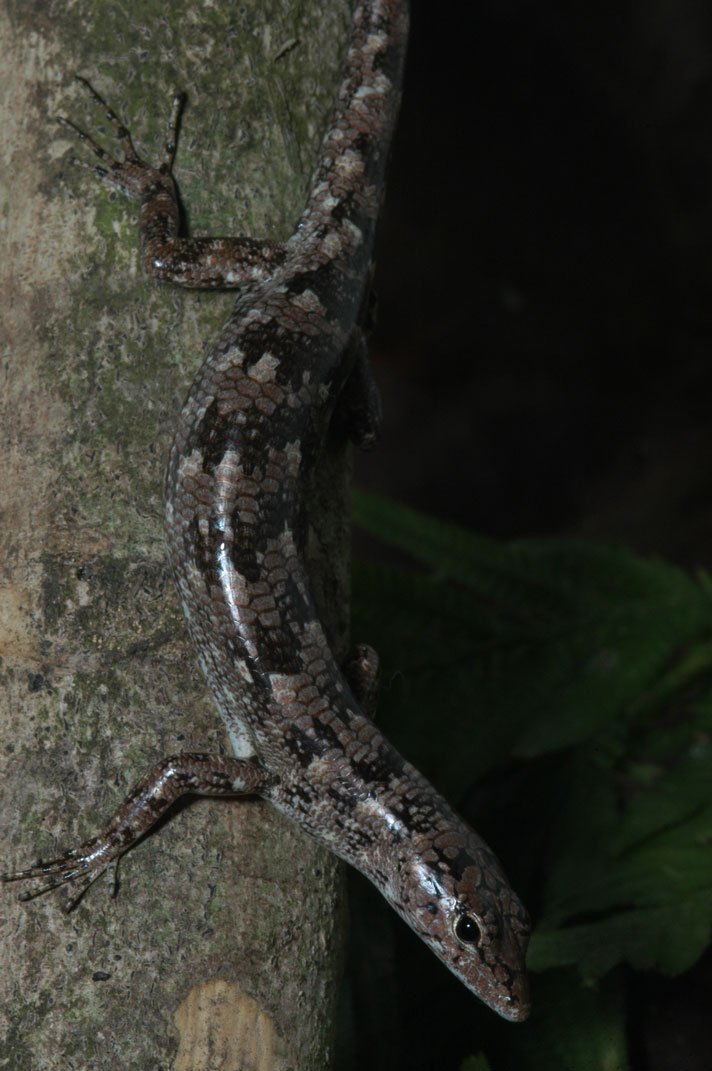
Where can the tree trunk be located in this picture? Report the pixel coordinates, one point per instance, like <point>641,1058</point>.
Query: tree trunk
<point>222,949</point>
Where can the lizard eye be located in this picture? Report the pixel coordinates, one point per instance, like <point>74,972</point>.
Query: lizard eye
<point>467,930</point>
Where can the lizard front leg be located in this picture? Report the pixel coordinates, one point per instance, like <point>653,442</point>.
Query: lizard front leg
<point>202,262</point>
<point>150,799</point>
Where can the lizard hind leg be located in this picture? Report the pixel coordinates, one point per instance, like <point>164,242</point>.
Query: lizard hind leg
<point>132,175</point>
<point>180,775</point>
<point>361,670</point>
<point>201,263</point>
<point>359,411</point>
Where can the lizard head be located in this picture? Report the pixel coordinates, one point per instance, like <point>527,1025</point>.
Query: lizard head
<point>453,893</point>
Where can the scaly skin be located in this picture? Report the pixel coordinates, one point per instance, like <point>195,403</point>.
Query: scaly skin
<point>249,434</point>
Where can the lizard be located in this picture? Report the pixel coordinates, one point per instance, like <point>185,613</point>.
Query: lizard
<point>291,357</point>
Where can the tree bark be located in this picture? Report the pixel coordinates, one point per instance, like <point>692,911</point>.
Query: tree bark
<point>222,949</point>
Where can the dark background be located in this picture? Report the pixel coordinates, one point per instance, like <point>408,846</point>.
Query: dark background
<point>543,350</point>
<point>544,279</point>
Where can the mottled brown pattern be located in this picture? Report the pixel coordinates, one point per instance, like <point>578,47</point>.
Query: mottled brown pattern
<point>248,435</point>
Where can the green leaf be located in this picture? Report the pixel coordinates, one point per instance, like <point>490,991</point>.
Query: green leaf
<point>476,1063</point>
<point>572,1028</point>
<point>639,868</point>
<point>592,657</point>
<point>670,938</point>
<point>482,564</point>
<point>564,634</point>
